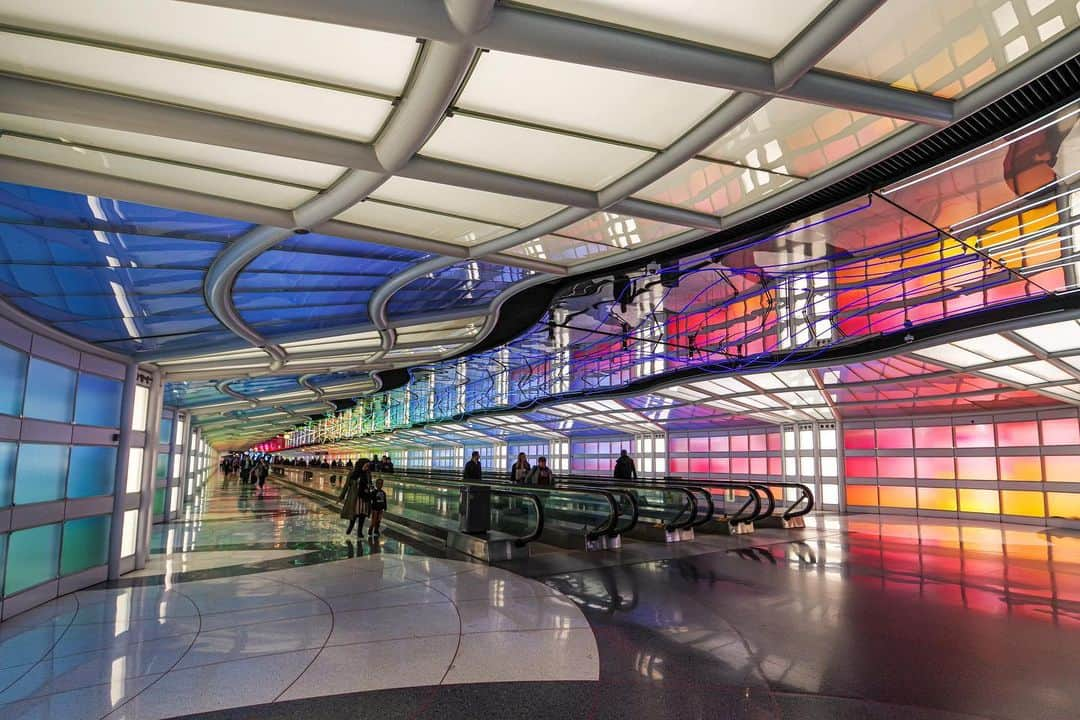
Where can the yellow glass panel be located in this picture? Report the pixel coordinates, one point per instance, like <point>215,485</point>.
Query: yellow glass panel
<point>1064,505</point>
<point>1021,469</point>
<point>1022,502</point>
<point>979,501</point>
<point>937,499</point>
<point>897,497</point>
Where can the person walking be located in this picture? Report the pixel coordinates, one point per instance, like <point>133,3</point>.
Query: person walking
<point>541,474</point>
<point>387,465</point>
<point>378,506</point>
<point>625,468</point>
<point>519,471</point>
<point>354,495</point>
<point>261,471</point>
<point>473,470</point>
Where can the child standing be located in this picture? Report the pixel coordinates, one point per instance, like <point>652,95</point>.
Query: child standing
<point>378,505</point>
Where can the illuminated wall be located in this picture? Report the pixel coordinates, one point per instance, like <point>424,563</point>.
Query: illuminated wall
<point>1017,467</point>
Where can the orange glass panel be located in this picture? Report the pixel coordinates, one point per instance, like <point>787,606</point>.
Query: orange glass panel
<point>937,499</point>
<point>859,439</point>
<point>1062,468</point>
<point>935,468</point>
<point>864,495</point>
<point>969,436</point>
<point>1018,434</point>
<point>1064,505</point>
<point>934,437</point>
<point>1063,431</point>
<point>979,501</point>
<point>976,468</point>
<point>897,497</point>
<point>1022,502</point>
<point>1021,469</point>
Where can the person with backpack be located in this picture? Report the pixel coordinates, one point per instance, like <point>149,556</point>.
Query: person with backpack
<point>625,468</point>
<point>378,506</point>
<point>541,474</point>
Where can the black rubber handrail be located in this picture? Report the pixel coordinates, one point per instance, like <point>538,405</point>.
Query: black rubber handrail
<point>609,527</point>
<point>675,523</point>
<point>520,541</point>
<point>537,504</point>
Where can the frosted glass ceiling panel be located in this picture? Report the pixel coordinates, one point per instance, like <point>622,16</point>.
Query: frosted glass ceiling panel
<point>713,188</point>
<point>289,103</point>
<point>948,48</point>
<point>763,30</point>
<point>597,101</point>
<point>422,224</point>
<point>499,209</point>
<point>272,167</point>
<point>562,250</point>
<point>532,153</point>
<point>620,231</point>
<point>159,173</point>
<point>800,138</point>
<point>318,51</point>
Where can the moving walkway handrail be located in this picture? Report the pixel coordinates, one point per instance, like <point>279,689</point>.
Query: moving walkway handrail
<point>675,524</point>
<point>793,510</point>
<point>609,527</point>
<point>520,541</point>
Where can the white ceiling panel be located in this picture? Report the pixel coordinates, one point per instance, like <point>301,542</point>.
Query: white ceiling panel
<point>532,153</point>
<point>421,223</point>
<point>296,104</point>
<point>713,188</point>
<point>498,209</point>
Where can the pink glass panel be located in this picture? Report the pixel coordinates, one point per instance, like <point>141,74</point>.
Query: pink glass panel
<point>757,443</point>
<point>758,466</point>
<point>1062,468</point>
<point>679,445</point>
<point>679,465</point>
<point>896,467</point>
<point>740,443</point>
<point>775,466</point>
<point>894,438</point>
<point>935,468</point>
<point>1018,434</point>
<point>699,444</point>
<point>773,441</point>
<point>1063,431</point>
<point>934,437</point>
<point>860,467</point>
<point>976,468</point>
<point>699,465</point>
<point>972,436</point>
<point>718,443</point>
<point>740,466</point>
<point>719,466</point>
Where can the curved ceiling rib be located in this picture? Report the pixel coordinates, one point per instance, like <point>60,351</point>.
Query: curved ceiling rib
<point>831,27</point>
<point>442,67</point>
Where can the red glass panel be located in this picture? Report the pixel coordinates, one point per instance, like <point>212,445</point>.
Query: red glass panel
<point>976,468</point>
<point>718,466</point>
<point>775,466</point>
<point>894,438</point>
<point>1018,434</point>
<point>1063,431</point>
<point>679,465</point>
<point>939,436</point>
<point>896,467</point>
<point>859,439</point>
<point>860,467</point>
<point>773,441</point>
<point>971,435</point>
<point>699,465</point>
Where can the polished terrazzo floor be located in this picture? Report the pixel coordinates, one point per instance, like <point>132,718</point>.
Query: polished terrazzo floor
<point>260,608</point>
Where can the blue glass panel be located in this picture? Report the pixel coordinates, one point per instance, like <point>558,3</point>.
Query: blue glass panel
<point>161,468</point>
<point>40,473</point>
<point>97,401</point>
<point>165,431</point>
<point>319,314</point>
<point>270,282</point>
<point>367,264</point>
<point>265,301</point>
<point>8,452</point>
<point>261,386</point>
<point>50,391</point>
<point>85,544</point>
<point>38,244</point>
<point>3,557</point>
<point>92,471</point>
<point>349,248</point>
<point>33,557</point>
<point>12,380</point>
<point>61,279</point>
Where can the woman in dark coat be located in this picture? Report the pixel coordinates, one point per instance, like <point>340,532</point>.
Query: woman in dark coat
<point>356,496</point>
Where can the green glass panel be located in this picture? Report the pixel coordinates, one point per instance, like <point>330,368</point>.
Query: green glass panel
<point>40,473</point>
<point>12,380</point>
<point>3,549</point>
<point>8,452</point>
<point>159,501</point>
<point>165,431</point>
<point>86,544</point>
<point>50,391</point>
<point>92,471</point>
<point>161,470</point>
<point>33,555</point>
